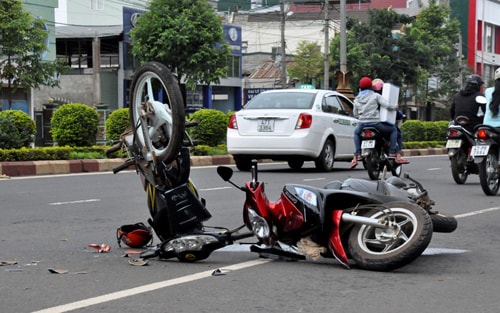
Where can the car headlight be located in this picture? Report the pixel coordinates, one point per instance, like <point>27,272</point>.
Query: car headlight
<point>260,227</point>
<point>189,243</point>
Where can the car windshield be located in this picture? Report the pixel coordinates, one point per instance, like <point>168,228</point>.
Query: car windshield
<point>281,100</point>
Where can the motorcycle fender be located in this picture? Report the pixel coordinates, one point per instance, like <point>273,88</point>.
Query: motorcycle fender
<point>335,241</point>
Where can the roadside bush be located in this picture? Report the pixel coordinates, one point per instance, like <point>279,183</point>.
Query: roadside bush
<point>75,125</point>
<point>117,122</point>
<point>211,129</point>
<point>24,130</point>
<point>413,130</point>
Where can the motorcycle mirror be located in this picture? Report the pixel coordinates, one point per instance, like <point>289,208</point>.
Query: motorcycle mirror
<point>481,99</point>
<point>225,172</point>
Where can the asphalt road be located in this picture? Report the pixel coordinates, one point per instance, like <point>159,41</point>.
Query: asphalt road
<point>48,222</point>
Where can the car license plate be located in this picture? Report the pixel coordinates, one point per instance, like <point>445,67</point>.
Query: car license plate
<point>265,125</point>
<point>453,143</point>
<point>367,144</point>
<point>481,150</point>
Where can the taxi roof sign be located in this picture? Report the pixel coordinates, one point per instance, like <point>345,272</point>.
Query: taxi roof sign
<point>306,86</point>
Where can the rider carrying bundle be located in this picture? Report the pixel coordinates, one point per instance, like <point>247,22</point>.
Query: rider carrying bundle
<point>464,102</point>
<point>367,109</point>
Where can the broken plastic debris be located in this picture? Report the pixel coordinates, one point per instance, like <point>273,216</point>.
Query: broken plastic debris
<point>138,262</point>
<point>218,272</point>
<point>100,248</point>
<point>7,262</point>
<point>58,271</point>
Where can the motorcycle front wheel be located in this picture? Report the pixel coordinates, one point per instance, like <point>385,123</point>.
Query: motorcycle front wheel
<point>386,249</point>
<point>458,172</point>
<point>157,112</point>
<point>489,174</point>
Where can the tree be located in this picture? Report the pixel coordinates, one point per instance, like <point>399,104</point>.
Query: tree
<point>22,43</point>
<point>424,47</point>
<point>308,63</point>
<point>185,35</point>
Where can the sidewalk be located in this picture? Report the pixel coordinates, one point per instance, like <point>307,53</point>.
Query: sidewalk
<point>30,168</point>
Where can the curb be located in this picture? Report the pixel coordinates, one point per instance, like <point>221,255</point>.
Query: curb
<point>32,168</point>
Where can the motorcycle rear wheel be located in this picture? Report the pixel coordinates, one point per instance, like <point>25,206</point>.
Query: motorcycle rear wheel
<point>157,112</point>
<point>458,171</point>
<point>376,249</point>
<point>373,165</point>
<point>489,174</point>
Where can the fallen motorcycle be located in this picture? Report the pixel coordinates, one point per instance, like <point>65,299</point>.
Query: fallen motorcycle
<point>486,153</point>
<point>381,225</point>
<point>459,142</point>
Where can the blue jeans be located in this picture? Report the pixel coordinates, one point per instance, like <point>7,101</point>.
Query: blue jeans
<point>385,128</point>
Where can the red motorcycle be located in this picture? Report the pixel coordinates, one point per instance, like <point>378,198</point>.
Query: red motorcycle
<point>374,223</point>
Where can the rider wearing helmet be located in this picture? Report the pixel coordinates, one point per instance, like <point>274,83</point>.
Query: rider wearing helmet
<point>464,102</point>
<point>491,115</point>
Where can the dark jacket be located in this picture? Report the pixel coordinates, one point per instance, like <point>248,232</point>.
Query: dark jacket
<point>465,104</point>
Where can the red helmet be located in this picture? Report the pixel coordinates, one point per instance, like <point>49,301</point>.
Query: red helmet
<point>134,235</point>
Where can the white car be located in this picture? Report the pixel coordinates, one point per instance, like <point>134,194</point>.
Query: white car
<point>293,125</point>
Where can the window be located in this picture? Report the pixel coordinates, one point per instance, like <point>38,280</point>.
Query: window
<point>331,105</point>
<point>489,38</point>
<point>97,4</point>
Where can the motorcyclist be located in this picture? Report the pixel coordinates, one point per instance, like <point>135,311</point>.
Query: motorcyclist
<point>377,86</point>
<point>491,115</point>
<point>464,102</point>
<point>367,109</point>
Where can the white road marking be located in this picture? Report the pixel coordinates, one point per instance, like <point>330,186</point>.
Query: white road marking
<point>146,288</point>
<point>216,188</point>
<point>76,201</point>
<point>434,169</point>
<point>313,179</point>
<point>477,212</point>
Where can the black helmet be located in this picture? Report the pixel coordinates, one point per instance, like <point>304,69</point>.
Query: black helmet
<point>474,79</point>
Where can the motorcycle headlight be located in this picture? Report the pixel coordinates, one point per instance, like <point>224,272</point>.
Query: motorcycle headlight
<point>260,227</point>
<point>189,243</point>
<point>307,195</point>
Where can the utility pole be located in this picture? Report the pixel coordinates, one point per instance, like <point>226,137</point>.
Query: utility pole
<point>342,75</point>
<point>283,44</point>
<point>327,48</point>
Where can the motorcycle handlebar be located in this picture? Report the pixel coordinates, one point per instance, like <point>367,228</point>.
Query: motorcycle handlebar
<point>117,146</point>
<point>123,166</point>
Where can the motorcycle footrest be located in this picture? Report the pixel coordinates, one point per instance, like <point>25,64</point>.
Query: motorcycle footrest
<point>277,251</point>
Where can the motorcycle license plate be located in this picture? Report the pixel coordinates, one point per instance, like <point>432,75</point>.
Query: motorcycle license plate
<point>453,143</point>
<point>479,150</point>
<point>367,144</point>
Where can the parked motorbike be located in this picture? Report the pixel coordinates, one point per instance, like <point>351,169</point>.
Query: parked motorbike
<point>375,153</point>
<point>381,225</point>
<point>486,152</point>
<point>459,142</point>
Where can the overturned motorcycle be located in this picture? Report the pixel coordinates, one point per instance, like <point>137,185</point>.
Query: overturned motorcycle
<point>380,225</point>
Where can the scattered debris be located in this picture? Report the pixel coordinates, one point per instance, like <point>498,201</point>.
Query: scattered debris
<point>100,248</point>
<point>4,176</point>
<point>13,269</point>
<point>58,271</point>
<point>7,262</point>
<point>131,252</point>
<point>218,272</point>
<point>138,262</point>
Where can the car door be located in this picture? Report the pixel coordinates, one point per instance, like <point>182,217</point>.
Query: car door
<point>342,122</point>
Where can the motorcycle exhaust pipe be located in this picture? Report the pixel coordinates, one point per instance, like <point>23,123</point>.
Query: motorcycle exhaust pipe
<point>347,217</point>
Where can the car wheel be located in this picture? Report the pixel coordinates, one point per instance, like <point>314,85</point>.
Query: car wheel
<point>295,164</point>
<point>243,164</point>
<point>326,158</point>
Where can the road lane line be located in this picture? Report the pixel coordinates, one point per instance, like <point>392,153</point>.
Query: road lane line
<point>146,288</point>
<point>477,212</point>
<point>75,201</point>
